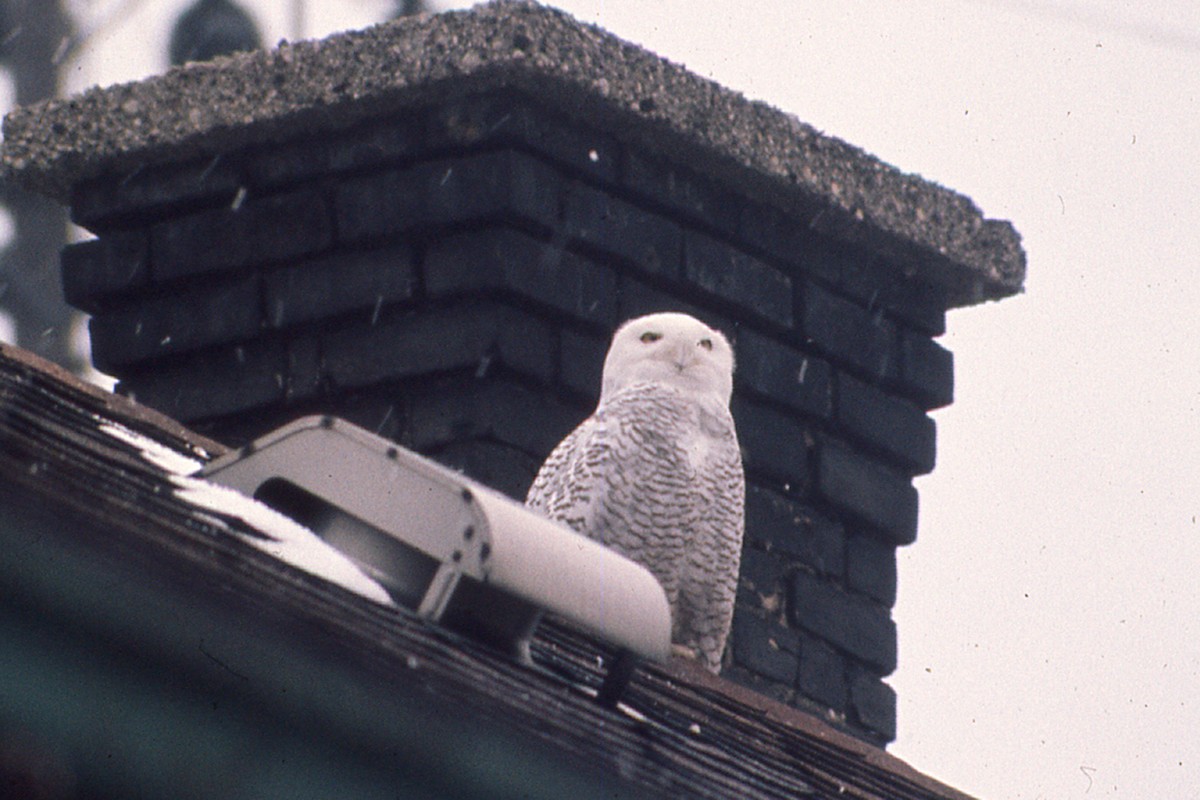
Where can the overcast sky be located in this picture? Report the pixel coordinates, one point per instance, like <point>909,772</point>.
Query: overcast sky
<point>1048,611</point>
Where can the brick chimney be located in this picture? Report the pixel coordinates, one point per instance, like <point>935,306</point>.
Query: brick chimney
<point>431,228</point>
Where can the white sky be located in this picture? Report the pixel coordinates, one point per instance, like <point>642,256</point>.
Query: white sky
<point>1048,611</point>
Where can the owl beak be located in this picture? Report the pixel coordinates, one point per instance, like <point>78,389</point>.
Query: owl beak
<point>683,357</point>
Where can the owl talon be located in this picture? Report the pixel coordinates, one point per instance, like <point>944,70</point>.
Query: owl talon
<point>683,651</point>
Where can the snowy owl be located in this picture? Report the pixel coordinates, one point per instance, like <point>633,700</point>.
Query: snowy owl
<point>655,472</point>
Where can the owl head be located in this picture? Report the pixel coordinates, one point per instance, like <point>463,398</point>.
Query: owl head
<point>672,349</point>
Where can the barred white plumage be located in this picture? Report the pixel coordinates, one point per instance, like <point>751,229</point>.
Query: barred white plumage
<point>655,472</point>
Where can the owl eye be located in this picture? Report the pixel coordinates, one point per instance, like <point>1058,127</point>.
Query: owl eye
<point>706,344</point>
<point>650,336</point>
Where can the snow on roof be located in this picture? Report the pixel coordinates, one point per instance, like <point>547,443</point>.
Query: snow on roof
<point>254,522</point>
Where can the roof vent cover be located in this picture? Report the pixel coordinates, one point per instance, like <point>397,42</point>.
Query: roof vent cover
<point>444,545</point>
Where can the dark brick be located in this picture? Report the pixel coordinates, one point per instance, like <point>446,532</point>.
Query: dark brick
<point>681,191</point>
<point>506,183</point>
<point>525,344</point>
<point>895,427</point>
<point>610,225</point>
<point>477,120</point>
<point>97,273</point>
<point>214,383</point>
<point>174,324</point>
<point>882,286</point>
<point>760,580</point>
<point>914,303</point>
<point>757,683</point>
<point>852,624</point>
<point>504,186</point>
<point>384,204</point>
<point>794,530</point>
<point>869,491</point>
<point>785,375</point>
<point>789,239</point>
<point>772,443</point>
<point>638,299</point>
<point>874,704</point>
<point>304,369</point>
<point>154,192</point>
<point>505,469</point>
<point>581,363</point>
<point>926,371</point>
<point>848,333</point>
<point>784,237</point>
<point>383,410</point>
<point>737,278</point>
<point>326,287</point>
<point>765,648</point>
<point>393,143</point>
<point>502,258</point>
<point>257,232</point>
<point>401,138</point>
<point>822,674</point>
<point>285,165</point>
<point>470,336</point>
<point>460,410</point>
<point>871,568</point>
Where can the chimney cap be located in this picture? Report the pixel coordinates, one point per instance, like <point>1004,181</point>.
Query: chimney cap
<point>202,110</point>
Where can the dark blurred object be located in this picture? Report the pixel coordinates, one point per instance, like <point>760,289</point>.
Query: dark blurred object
<point>31,769</point>
<point>407,8</point>
<point>34,38</point>
<point>212,28</point>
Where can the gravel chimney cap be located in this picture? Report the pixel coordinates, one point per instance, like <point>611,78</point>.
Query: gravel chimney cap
<point>628,92</point>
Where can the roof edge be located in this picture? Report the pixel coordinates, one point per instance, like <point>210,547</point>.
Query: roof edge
<point>691,674</point>
<point>124,409</point>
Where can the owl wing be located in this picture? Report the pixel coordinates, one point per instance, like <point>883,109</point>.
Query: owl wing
<point>622,478</point>
<point>708,595</point>
<point>566,486</point>
<point>609,478</point>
